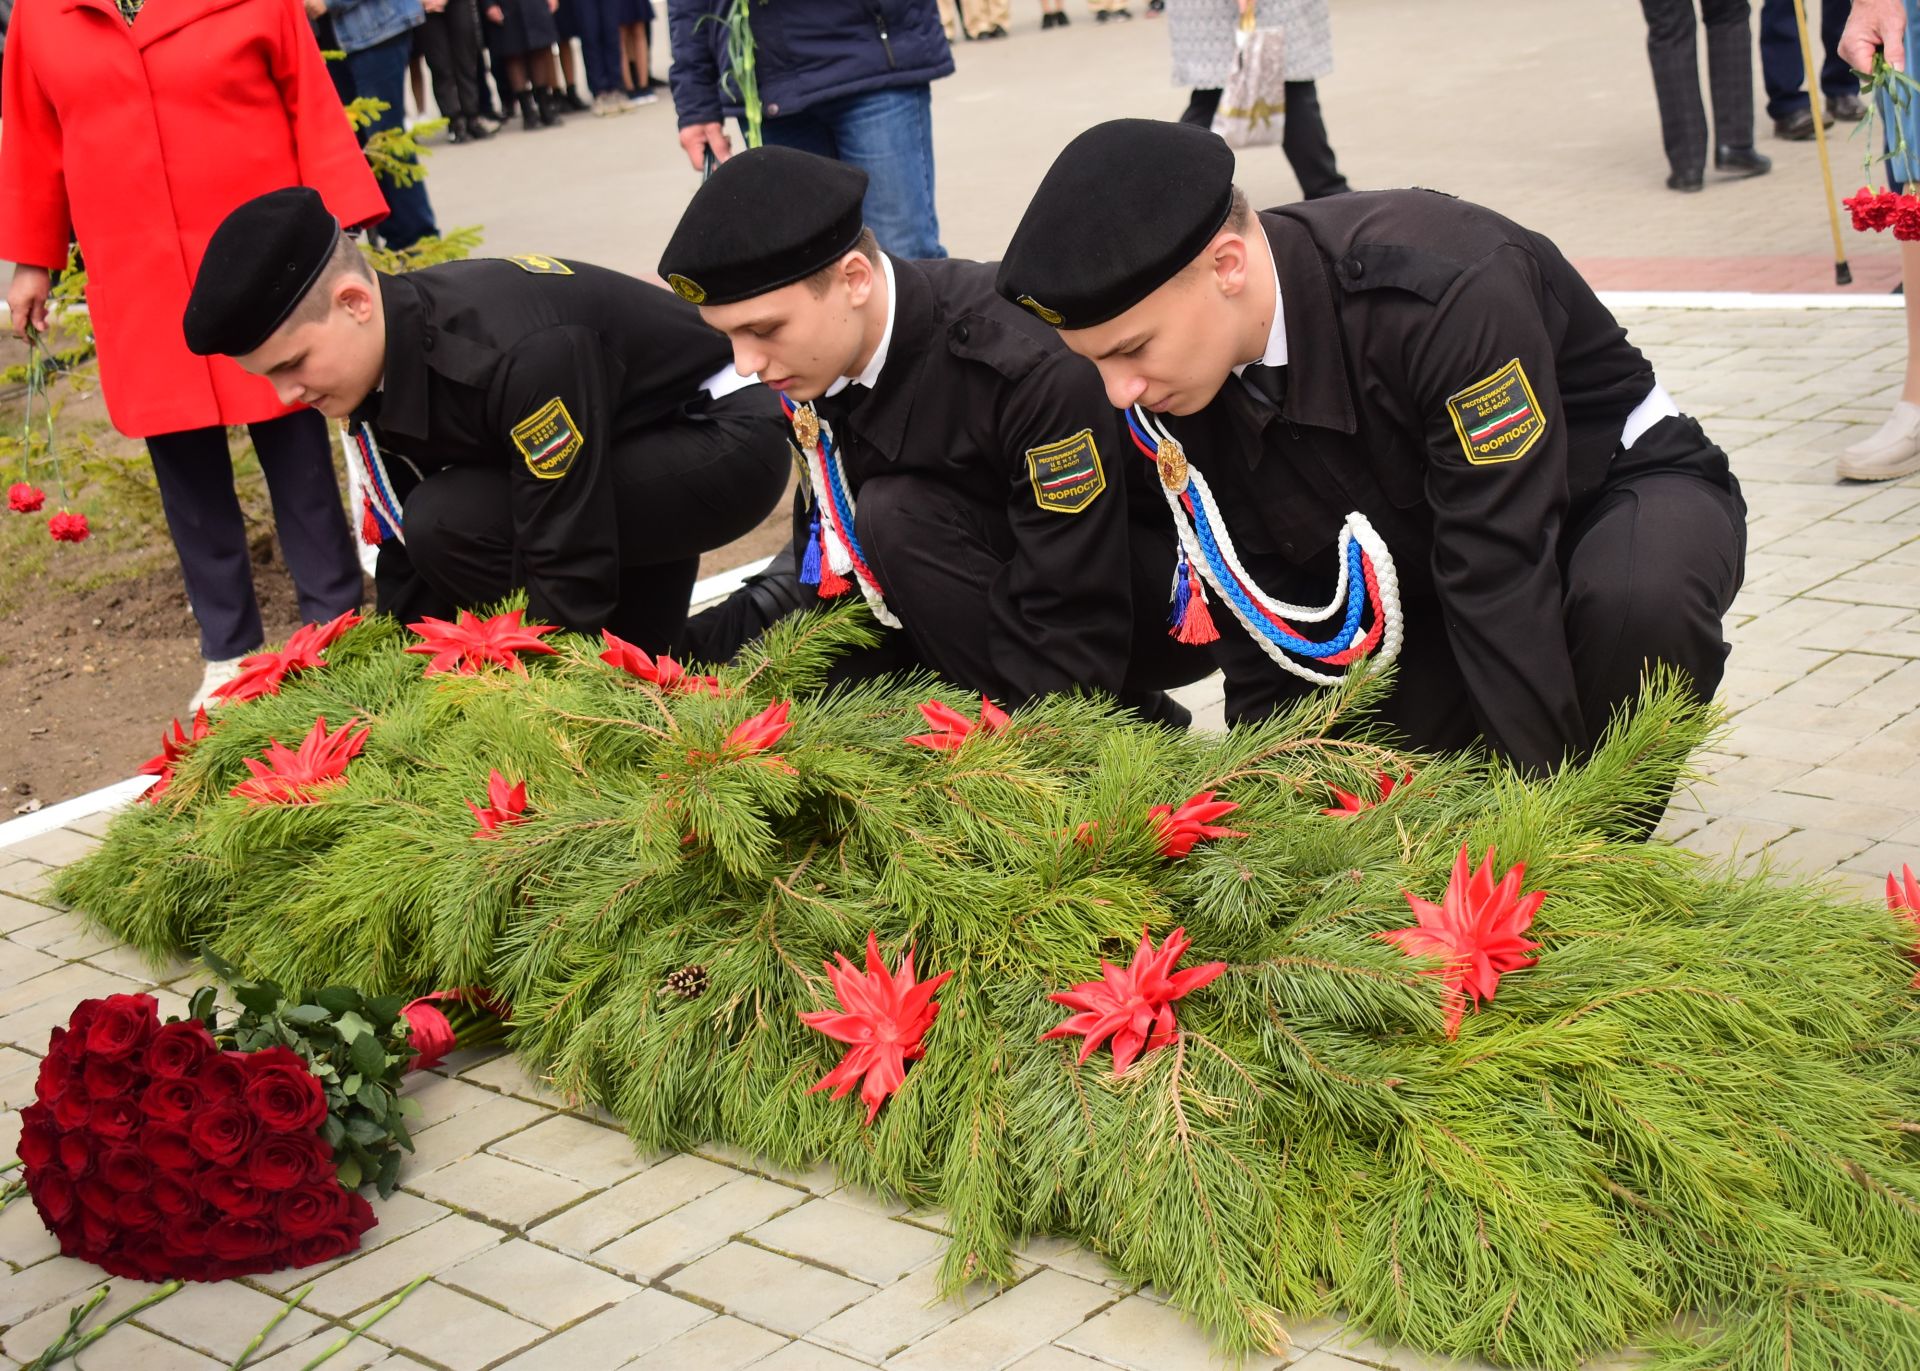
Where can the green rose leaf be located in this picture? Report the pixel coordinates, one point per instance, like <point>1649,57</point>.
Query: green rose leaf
<point>307,1014</point>
<point>339,999</point>
<point>369,1056</point>
<point>352,1027</point>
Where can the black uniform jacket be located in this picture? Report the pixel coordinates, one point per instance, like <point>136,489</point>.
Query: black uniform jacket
<point>1453,378</point>
<point>982,398</point>
<point>546,368</point>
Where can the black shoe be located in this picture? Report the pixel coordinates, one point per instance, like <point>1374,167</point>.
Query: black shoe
<point>1796,127</point>
<point>570,101</point>
<point>529,111</point>
<point>1101,17</point>
<point>1120,14</point>
<point>1686,181</point>
<point>1156,6</point>
<point>1046,22</point>
<point>997,31</point>
<point>1742,161</point>
<point>477,132</point>
<point>548,103</point>
<point>1847,106</point>
<point>1060,20</point>
<point>457,132</point>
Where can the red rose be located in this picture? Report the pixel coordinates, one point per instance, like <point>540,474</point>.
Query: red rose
<point>304,1212</point>
<point>107,1077</point>
<point>125,1169</point>
<point>187,1236</point>
<point>170,1100</point>
<point>114,1118</point>
<point>79,1022</point>
<point>97,1197</point>
<point>322,1247</point>
<point>136,1212</point>
<point>173,1197</point>
<point>223,1075</point>
<point>98,1233</point>
<point>284,1095</point>
<point>170,1149</point>
<point>240,1240</point>
<point>76,1153</point>
<point>55,1072</point>
<point>53,1194</point>
<point>121,1025</point>
<point>221,1134</point>
<point>281,1161</point>
<point>39,1141</point>
<point>232,1194</point>
<point>179,1049</point>
<point>141,1256</point>
<point>73,1109</point>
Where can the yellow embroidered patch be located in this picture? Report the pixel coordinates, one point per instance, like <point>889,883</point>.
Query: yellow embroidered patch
<point>549,440</point>
<point>1066,475</point>
<point>693,294</point>
<point>1049,315</point>
<point>1498,419</point>
<point>540,264</point>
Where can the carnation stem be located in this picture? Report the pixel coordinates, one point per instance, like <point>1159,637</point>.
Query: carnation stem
<point>69,1346</point>
<point>377,1315</point>
<point>10,1192</point>
<point>272,1323</point>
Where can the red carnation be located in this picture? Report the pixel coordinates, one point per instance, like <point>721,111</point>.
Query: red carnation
<point>170,1149</point>
<point>283,1094</point>
<point>311,1209</point>
<point>68,528</point>
<point>25,499</point>
<point>170,1101</point>
<point>124,1169</point>
<point>232,1194</point>
<point>178,1049</point>
<point>240,1240</point>
<point>121,1024</point>
<point>281,1161</point>
<point>223,1133</point>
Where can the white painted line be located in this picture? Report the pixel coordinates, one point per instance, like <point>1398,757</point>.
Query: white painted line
<point>724,583</point>
<point>79,807</point>
<point>1742,299</point>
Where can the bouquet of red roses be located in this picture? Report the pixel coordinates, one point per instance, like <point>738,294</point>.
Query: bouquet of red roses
<point>202,1152</point>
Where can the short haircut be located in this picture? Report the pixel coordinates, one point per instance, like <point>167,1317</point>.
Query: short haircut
<point>866,245</point>
<point>347,260</point>
<point>1239,212</point>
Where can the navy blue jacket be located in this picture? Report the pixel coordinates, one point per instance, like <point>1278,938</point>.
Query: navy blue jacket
<point>805,51</point>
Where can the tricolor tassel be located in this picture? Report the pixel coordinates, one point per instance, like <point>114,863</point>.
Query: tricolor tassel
<point>369,526</point>
<point>1193,623</point>
<point>810,563</point>
<point>832,583</point>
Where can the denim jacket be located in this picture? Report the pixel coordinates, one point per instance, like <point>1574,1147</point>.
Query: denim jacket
<point>359,24</point>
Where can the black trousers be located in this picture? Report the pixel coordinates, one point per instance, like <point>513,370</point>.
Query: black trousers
<point>681,487</point>
<point>1781,70</point>
<point>1648,571</point>
<point>1676,77</point>
<point>1303,138</point>
<point>450,41</point>
<point>195,474</point>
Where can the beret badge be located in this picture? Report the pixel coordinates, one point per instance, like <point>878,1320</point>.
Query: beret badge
<point>687,290</point>
<point>1051,316</point>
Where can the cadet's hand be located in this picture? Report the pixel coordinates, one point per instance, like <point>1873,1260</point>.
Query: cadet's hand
<point>697,138</point>
<point>27,298</point>
<point>1875,25</point>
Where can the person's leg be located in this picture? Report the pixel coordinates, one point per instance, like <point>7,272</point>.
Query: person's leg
<point>1836,73</point>
<point>1201,106</point>
<point>889,135</point>
<point>296,454</point>
<point>195,475</point>
<point>1674,57</point>
<point>1303,138</point>
<point>1894,449</point>
<point>380,71</point>
<point>434,38</point>
<point>1729,25</point>
<point>459,524</point>
<point>600,46</point>
<point>805,131</point>
<point>464,54</point>
<point>1780,69</point>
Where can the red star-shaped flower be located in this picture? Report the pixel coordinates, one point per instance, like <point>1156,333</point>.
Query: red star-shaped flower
<point>1180,829</point>
<point>662,671</point>
<point>174,746</point>
<point>296,778</point>
<point>761,732</point>
<point>1351,804</point>
<point>25,499</point>
<point>471,643</point>
<point>1475,929</point>
<point>1133,1007</point>
<point>883,1016</point>
<point>68,528</point>
<point>263,672</point>
<point>1903,897</point>
<point>505,805</point>
<point>952,727</point>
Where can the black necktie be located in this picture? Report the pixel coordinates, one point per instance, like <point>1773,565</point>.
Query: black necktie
<point>1268,381</point>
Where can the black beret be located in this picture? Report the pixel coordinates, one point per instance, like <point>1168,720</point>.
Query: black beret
<point>1123,208</point>
<point>260,263</point>
<point>766,218</point>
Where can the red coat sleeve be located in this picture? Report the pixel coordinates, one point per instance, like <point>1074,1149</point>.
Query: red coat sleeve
<point>34,221</point>
<point>329,156</point>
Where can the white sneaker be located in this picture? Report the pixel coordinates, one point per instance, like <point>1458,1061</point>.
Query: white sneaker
<point>1891,452</point>
<point>216,675</point>
<point>635,99</point>
<point>608,102</point>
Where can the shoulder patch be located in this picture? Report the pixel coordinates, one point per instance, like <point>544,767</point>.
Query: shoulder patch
<point>1497,419</point>
<point>540,264</point>
<point>1066,475</point>
<point>549,440</point>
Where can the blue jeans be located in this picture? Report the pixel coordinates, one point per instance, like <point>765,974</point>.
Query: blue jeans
<point>381,72</point>
<point>1781,70</point>
<point>889,135</point>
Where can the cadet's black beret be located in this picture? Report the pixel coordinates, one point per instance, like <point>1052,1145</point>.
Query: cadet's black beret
<point>1124,207</point>
<point>260,262</point>
<point>766,218</point>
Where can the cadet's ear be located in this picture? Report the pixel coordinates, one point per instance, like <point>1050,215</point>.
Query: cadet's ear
<point>1227,257</point>
<point>856,268</point>
<point>354,294</point>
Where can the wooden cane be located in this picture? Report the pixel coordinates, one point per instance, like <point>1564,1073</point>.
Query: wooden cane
<point>1842,273</point>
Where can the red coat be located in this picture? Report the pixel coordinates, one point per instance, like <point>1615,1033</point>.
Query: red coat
<point>142,138</point>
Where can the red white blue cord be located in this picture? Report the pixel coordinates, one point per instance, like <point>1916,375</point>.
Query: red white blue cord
<point>381,515</point>
<point>839,546</point>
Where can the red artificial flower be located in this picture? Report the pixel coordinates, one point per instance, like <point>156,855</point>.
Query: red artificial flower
<point>1134,1007</point>
<point>471,643</point>
<point>295,778</point>
<point>1180,829</point>
<point>884,1016</point>
<point>505,805</point>
<point>263,672</point>
<point>25,499</point>
<point>1903,897</point>
<point>662,671</point>
<point>760,732</point>
<point>174,747</point>
<point>1476,929</point>
<point>68,528</point>
<point>1351,804</point>
<point>953,727</point>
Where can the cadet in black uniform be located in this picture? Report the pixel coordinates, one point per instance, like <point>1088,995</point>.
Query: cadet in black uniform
<point>960,462</point>
<point>521,422</point>
<point>1434,421</point>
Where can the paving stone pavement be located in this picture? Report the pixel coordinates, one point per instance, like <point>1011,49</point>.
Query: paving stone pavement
<point>553,1247</point>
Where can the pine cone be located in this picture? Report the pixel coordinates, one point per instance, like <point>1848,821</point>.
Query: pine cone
<point>689,982</point>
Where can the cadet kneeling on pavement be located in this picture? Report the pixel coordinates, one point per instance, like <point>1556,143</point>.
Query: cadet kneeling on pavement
<point>1391,423</point>
<point>525,422</point>
<point>960,462</point>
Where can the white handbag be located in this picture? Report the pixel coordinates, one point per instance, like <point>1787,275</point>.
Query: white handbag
<point>1253,103</point>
